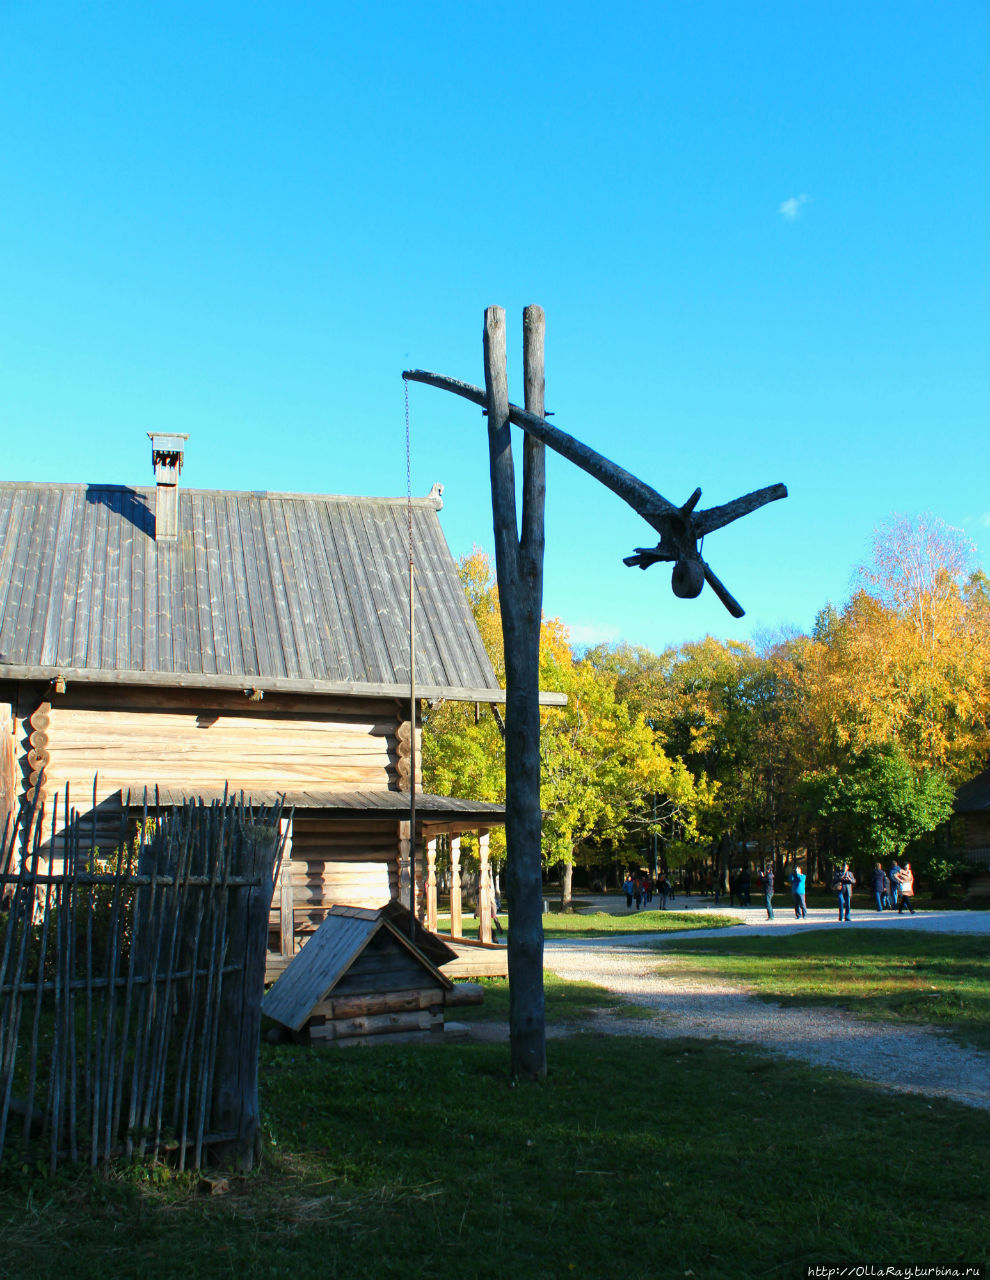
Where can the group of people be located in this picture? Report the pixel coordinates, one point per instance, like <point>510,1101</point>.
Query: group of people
<point>638,888</point>
<point>890,890</point>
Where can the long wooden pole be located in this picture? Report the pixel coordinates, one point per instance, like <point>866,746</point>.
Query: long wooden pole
<point>519,568</point>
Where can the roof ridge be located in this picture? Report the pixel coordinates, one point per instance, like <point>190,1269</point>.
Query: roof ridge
<point>427,500</point>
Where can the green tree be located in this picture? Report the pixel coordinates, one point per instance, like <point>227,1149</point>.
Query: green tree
<point>878,803</point>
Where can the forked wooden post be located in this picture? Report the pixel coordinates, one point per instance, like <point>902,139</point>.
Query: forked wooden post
<point>519,569</point>
<point>519,566</point>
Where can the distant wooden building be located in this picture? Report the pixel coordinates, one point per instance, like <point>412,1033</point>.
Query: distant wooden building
<point>176,641</point>
<point>971,831</point>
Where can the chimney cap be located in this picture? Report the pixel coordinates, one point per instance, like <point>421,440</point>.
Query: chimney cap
<point>167,441</point>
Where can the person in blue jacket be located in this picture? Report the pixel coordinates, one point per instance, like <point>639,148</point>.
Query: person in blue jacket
<point>797,878</point>
<point>877,881</point>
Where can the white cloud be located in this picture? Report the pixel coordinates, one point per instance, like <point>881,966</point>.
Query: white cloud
<point>585,634</point>
<point>791,208</point>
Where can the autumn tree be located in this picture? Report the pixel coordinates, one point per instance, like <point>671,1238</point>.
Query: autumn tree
<point>601,763</point>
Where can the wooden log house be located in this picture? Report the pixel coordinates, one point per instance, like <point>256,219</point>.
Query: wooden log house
<point>173,642</point>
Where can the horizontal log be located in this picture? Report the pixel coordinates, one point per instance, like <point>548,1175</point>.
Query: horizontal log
<point>463,993</point>
<point>375,1025</point>
<point>386,1002</point>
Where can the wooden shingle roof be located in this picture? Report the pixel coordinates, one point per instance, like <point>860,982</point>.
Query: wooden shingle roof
<point>275,591</point>
<point>313,973</point>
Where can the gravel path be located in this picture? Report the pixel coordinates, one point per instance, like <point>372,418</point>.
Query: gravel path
<point>910,1059</point>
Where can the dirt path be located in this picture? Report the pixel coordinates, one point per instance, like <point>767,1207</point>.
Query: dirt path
<point>907,1058</point>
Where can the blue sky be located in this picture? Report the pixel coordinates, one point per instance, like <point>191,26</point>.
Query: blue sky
<point>760,233</point>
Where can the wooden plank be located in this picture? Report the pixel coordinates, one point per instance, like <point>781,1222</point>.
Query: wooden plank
<point>141,617</point>
<point>349,570</point>
<point>124,542</point>
<point>24,571</point>
<point>226,624</point>
<point>328,560</point>
<point>58,591</point>
<point>328,654</point>
<point>298,605</point>
<point>235,571</point>
<point>206,659</point>
<point>167,678</point>
<point>257,571</point>
<point>281,635</point>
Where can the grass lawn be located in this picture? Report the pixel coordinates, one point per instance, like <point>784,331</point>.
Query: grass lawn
<point>941,980</point>
<point>638,1158</point>
<point>598,924</point>
<point>566,1002</point>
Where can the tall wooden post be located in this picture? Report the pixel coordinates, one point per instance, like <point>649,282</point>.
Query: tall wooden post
<point>286,901</point>
<point>431,884</point>
<point>486,899</point>
<point>456,927</point>
<point>519,568</point>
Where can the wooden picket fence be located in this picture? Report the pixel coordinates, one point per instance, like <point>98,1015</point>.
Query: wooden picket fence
<point>131,984</point>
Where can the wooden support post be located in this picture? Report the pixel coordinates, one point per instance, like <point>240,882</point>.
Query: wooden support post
<point>403,851</point>
<point>431,884</point>
<point>456,927</point>
<point>286,901</point>
<point>486,898</point>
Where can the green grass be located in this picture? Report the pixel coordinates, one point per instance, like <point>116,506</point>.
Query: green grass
<point>599,924</point>
<point>638,1158</point>
<point>940,980</point>
<point>566,1002</point>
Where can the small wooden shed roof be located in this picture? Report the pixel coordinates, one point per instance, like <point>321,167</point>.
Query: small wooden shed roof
<point>327,956</point>
<point>275,591</point>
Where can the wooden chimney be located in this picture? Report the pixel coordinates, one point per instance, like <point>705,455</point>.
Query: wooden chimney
<point>167,450</point>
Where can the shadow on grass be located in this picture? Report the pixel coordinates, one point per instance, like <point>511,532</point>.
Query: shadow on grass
<point>637,1158</point>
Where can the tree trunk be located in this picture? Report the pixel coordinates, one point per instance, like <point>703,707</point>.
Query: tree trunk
<point>519,568</point>
<point>566,885</point>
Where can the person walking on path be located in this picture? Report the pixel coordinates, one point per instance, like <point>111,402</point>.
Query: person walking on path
<point>906,885</point>
<point>843,884</point>
<point>877,880</point>
<point>638,892</point>
<point>627,889</point>
<point>895,887</point>
<point>768,889</point>
<point>797,888</point>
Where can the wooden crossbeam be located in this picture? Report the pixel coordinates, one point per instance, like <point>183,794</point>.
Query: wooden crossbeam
<point>680,528</point>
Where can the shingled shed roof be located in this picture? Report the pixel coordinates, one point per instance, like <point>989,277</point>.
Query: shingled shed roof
<point>274,591</point>
<point>327,956</point>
